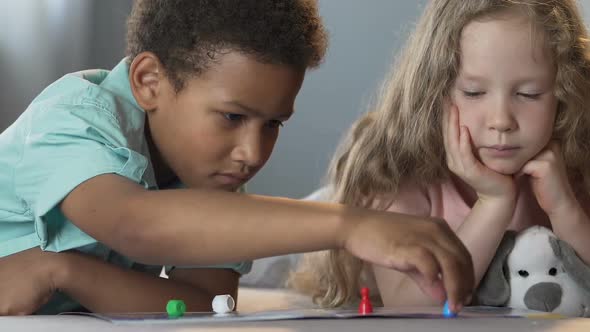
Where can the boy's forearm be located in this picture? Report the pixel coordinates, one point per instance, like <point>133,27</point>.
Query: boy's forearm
<point>105,288</point>
<point>189,226</point>
<point>482,232</point>
<point>209,226</point>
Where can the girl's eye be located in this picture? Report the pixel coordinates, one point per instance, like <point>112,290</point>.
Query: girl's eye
<point>473,94</point>
<point>532,96</point>
<point>274,124</point>
<point>234,117</point>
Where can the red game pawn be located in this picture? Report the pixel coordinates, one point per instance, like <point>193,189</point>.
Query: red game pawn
<point>365,306</point>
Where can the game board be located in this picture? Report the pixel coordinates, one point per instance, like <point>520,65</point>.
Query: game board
<point>410,312</point>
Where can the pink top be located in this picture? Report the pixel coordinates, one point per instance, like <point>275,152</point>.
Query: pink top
<point>443,200</point>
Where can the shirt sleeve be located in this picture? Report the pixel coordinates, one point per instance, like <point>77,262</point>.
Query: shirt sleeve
<point>66,146</point>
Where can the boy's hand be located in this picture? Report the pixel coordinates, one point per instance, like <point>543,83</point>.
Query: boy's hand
<point>27,281</point>
<point>425,249</point>
<point>549,180</point>
<point>462,162</point>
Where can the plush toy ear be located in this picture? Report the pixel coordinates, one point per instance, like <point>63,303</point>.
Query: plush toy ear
<point>494,288</point>
<point>572,264</point>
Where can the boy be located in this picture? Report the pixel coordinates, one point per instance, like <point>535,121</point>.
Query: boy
<point>142,164</point>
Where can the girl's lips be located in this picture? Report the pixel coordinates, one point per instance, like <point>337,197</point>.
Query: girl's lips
<point>503,147</point>
<point>501,151</point>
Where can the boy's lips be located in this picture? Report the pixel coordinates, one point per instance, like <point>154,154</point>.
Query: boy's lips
<point>233,178</point>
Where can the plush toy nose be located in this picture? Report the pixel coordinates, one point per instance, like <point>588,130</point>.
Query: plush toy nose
<point>544,296</point>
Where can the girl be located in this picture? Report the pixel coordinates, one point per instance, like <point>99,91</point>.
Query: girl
<point>484,123</point>
<point>195,109</point>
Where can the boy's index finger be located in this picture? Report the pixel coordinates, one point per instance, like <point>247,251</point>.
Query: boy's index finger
<point>453,272</point>
<point>448,312</point>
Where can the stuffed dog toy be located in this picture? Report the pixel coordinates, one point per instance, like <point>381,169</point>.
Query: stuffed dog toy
<point>537,271</point>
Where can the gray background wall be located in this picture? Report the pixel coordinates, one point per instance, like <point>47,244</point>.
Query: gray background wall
<point>40,40</point>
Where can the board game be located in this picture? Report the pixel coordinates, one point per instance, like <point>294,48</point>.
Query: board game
<point>409,312</point>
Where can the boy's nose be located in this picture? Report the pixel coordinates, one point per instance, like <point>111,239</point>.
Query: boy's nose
<point>250,152</point>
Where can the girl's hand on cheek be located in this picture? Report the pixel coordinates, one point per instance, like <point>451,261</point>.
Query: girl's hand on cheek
<point>461,161</point>
<point>549,181</point>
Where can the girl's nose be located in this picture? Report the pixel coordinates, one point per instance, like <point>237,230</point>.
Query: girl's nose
<point>501,117</point>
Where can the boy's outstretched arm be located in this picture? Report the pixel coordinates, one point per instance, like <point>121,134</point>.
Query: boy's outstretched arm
<point>183,227</point>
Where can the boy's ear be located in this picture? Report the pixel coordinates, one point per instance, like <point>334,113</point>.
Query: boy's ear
<point>145,75</point>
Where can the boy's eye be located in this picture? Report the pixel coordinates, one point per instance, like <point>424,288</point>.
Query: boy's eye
<point>473,94</point>
<point>274,124</point>
<point>533,96</point>
<point>234,116</point>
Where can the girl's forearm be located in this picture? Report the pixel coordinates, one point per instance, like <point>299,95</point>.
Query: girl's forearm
<point>482,231</point>
<point>399,290</point>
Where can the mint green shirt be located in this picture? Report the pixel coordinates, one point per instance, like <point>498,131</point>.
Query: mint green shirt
<point>81,126</point>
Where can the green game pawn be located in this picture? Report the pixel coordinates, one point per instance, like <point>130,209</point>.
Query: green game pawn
<point>175,308</point>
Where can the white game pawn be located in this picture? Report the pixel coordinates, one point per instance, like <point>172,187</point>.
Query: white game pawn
<point>223,304</point>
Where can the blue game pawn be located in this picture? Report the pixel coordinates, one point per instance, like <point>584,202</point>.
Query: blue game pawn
<point>447,313</point>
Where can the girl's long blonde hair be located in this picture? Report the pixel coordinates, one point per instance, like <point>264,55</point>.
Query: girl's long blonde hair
<point>401,140</point>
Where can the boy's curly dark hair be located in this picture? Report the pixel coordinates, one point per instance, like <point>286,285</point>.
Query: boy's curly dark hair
<point>187,35</point>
